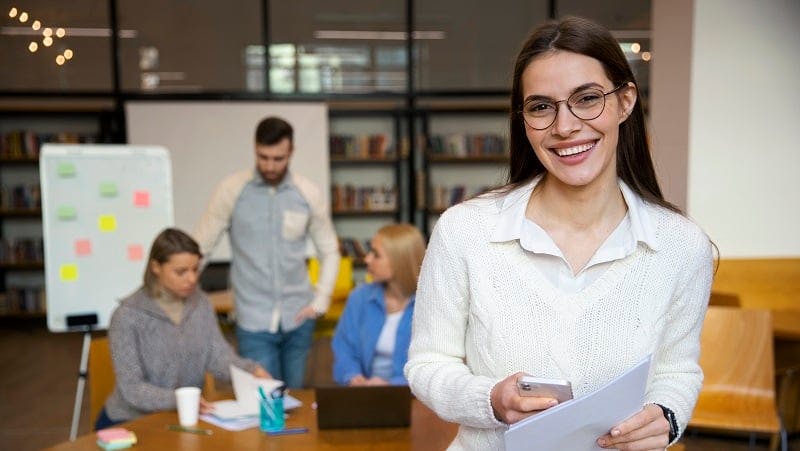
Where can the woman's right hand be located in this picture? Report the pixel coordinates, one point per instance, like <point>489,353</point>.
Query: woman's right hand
<point>509,407</point>
<point>357,381</point>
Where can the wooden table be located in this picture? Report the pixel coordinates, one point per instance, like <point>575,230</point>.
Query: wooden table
<point>427,432</point>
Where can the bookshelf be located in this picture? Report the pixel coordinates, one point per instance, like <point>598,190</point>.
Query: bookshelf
<point>369,163</point>
<point>22,133</point>
<point>464,152</point>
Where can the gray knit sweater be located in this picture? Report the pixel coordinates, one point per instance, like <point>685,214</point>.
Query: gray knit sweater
<point>152,355</point>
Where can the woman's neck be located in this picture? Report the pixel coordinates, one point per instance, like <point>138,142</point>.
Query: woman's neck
<point>394,298</point>
<point>553,203</point>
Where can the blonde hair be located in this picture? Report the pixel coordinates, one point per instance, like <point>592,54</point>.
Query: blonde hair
<point>405,249</point>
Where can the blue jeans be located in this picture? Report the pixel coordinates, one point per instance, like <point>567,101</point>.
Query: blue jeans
<point>283,354</point>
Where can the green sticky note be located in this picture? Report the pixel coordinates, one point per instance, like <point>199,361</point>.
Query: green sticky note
<point>67,213</point>
<point>107,223</point>
<point>66,170</point>
<point>108,189</point>
<point>68,272</point>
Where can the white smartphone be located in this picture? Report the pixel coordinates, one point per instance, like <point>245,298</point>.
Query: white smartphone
<point>559,389</point>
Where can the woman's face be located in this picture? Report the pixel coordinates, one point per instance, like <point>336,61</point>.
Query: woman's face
<point>378,265</point>
<point>179,274</point>
<point>574,151</point>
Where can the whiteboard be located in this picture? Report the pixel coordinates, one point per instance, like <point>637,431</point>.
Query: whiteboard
<point>210,140</point>
<point>102,206</point>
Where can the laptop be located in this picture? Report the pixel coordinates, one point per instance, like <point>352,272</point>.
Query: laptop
<point>363,407</point>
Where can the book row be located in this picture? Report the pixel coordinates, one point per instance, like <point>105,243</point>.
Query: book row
<point>21,250</point>
<point>378,146</point>
<point>363,198</point>
<point>467,145</point>
<point>23,300</point>
<point>20,197</point>
<point>27,143</point>
<point>354,248</point>
<point>447,196</point>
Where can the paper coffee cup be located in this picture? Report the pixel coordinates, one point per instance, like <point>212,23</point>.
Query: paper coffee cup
<point>188,399</point>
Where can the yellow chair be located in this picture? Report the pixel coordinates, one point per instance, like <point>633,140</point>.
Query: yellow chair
<point>738,393</point>
<point>344,283</point>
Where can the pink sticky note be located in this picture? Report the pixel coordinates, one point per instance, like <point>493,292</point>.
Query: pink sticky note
<point>141,198</point>
<point>83,247</point>
<point>135,252</point>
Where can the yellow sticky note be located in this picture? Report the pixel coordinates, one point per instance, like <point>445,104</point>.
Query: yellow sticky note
<point>107,223</point>
<point>68,272</point>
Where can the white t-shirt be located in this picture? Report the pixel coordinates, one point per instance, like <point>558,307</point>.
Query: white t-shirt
<point>384,349</point>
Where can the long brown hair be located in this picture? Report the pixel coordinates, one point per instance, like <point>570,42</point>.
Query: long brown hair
<point>168,243</point>
<point>584,37</point>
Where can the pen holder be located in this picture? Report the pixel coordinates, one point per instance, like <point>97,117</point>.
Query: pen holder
<point>271,414</point>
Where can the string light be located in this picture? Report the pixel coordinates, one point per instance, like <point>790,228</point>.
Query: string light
<point>68,54</point>
<point>36,25</point>
<point>33,47</point>
<point>47,32</point>
<point>23,17</point>
<point>12,13</point>
<point>646,56</point>
<point>60,60</point>
<point>47,41</point>
<point>636,47</point>
<point>60,32</point>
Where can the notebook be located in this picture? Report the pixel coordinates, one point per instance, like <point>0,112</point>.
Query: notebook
<point>363,407</point>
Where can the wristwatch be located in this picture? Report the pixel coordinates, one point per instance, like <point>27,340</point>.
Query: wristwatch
<point>673,423</point>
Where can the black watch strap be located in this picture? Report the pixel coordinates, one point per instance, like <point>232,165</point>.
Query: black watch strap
<point>673,423</point>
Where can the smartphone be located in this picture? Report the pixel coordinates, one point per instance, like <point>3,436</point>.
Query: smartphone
<point>559,389</point>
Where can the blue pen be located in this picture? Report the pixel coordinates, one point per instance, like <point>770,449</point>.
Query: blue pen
<point>289,431</point>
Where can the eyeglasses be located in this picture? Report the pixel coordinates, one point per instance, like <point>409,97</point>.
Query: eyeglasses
<point>586,104</point>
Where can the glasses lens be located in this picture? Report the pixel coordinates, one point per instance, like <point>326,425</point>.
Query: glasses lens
<point>587,104</point>
<point>539,114</point>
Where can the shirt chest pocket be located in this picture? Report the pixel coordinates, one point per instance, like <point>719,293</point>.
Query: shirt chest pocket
<point>294,225</point>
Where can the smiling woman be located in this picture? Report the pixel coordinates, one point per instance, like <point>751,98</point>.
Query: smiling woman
<point>576,269</point>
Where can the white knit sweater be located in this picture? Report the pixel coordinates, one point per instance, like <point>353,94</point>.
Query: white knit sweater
<point>483,312</point>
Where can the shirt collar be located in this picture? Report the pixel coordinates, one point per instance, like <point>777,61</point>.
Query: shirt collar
<point>511,216</point>
<point>287,181</point>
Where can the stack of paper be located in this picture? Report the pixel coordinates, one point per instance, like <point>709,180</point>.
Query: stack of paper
<point>242,412</point>
<point>115,438</point>
<point>578,423</point>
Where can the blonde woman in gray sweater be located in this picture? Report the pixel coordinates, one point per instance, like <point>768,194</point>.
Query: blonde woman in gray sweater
<point>165,335</point>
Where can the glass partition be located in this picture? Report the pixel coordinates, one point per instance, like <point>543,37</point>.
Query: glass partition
<point>192,46</point>
<point>62,49</point>
<point>337,47</point>
<point>471,44</point>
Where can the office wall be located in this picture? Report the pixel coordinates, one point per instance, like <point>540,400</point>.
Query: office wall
<point>744,129</point>
<point>209,140</point>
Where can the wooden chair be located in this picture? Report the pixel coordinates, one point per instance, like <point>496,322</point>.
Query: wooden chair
<point>738,393</point>
<point>100,376</point>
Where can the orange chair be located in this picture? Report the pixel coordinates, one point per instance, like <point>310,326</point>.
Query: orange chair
<point>100,376</point>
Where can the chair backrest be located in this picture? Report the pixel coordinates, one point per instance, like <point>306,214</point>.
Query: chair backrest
<point>101,376</point>
<point>344,279</point>
<point>736,352</point>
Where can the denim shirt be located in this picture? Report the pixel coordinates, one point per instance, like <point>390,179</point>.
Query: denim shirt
<point>357,334</point>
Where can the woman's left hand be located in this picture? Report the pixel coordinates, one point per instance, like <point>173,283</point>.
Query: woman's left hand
<point>261,372</point>
<point>647,430</point>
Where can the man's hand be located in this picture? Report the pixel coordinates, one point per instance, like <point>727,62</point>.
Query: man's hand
<point>307,312</point>
<point>261,372</point>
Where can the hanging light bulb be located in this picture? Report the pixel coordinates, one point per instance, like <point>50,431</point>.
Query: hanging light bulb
<point>47,41</point>
<point>36,25</point>
<point>68,54</point>
<point>60,60</point>
<point>23,17</point>
<point>60,32</point>
<point>12,13</point>
<point>47,32</point>
<point>33,47</point>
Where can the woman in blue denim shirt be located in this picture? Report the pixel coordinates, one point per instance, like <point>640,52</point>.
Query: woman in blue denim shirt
<point>370,346</point>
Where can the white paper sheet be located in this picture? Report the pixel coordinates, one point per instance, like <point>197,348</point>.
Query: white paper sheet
<point>578,423</point>
<point>245,388</point>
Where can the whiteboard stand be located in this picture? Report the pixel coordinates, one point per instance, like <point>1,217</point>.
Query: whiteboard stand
<point>76,411</point>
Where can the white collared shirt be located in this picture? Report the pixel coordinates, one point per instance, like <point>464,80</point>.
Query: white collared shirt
<point>512,224</point>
